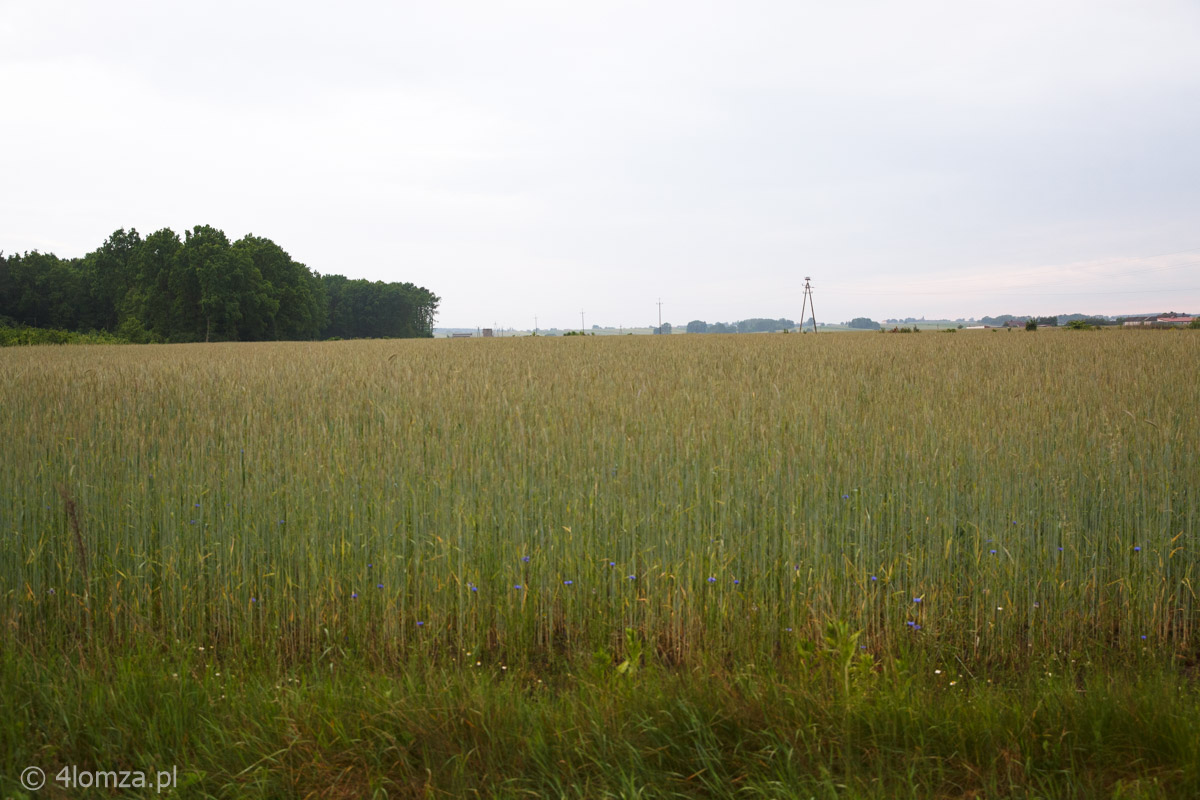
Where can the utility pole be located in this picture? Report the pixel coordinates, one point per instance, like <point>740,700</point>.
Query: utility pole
<point>535,323</point>
<point>808,301</point>
<point>659,316</point>
<point>581,322</point>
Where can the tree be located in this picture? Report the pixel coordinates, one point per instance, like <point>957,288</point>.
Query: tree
<point>107,275</point>
<point>997,322</point>
<point>42,290</point>
<point>361,308</point>
<point>863,323</point>
<point>286,301</point>
<point>217,277</point>
<point>697,326</point>
<point>149,302</point>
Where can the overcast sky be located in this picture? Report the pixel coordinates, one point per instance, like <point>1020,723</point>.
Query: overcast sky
<point>519,159</point>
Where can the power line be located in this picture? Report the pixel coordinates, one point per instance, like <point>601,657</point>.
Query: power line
<point>932,284</point>
<point>1015,292</point>
<point>964,288</point>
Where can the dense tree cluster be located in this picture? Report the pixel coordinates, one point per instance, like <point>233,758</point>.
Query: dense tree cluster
<point>863,323</point>
<point>203,288</point>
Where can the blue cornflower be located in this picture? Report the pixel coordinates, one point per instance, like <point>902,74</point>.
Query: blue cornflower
<point>736,581</point>
<point>789,630</point>
<point>420,623</point>
<point>252,600</point>
<point>197,505</point>
<point>379,586</point>
<point>993,552</point>
<point>370,565</point>
<point>567,583</point>
<point>517,586</point>
<point>874,578</point>
<point>1137,549</point>
<point>910,623</point>
<point>612,563</point>
<point>1143,636</point>
<point>50,591</point>
<point>916,599</point>
<point>525,558</point>
<point>354,595</point>
<point>474,588</point>
<point>633,577</point>
<point>712,579</point>
<point>845,497</point>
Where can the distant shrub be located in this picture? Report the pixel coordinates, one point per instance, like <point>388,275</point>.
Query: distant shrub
<point>132,330</point>
<point>1031,325</point>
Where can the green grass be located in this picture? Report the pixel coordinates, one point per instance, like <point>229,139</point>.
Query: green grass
<point>359,513</point>
<point>715,730</point>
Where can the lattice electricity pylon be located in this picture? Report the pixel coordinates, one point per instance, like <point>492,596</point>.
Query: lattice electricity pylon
<point>808,301</point>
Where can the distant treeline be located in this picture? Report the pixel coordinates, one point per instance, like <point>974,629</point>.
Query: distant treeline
<point>203,288</point>
<point>756,325</point>
<point>1052,321</point>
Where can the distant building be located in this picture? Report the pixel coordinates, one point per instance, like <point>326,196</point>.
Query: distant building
<point>1157,321</point>
<point>487,333</point>
<point>1137,322</point>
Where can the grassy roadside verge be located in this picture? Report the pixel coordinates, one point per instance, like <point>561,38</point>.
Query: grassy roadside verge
<point>901,726</point>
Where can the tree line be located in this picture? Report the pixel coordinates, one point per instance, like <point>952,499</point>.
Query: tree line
<point>202,287</point>
<point>755,325</point>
